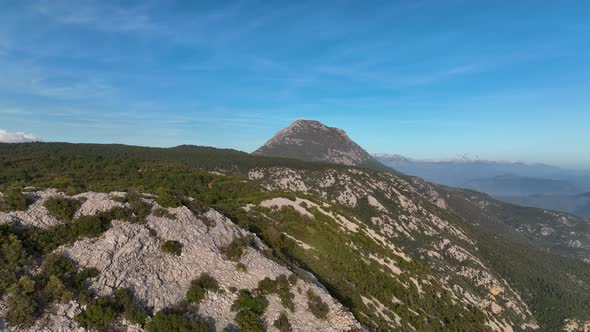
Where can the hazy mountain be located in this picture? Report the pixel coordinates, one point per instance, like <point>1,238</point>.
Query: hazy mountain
<point>574,204</point>
<point>510,185</point>
<point>107,237</point>
<point>492,177</point>
<point>314,141</point>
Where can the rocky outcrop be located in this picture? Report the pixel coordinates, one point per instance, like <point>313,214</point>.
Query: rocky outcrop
<point>129,255</point>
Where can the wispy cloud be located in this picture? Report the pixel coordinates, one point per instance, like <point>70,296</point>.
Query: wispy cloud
<point>29,78</point>
<point>96,14</point>
<point>81,89</point>
<point>18,137</point>
<point>440,75</point>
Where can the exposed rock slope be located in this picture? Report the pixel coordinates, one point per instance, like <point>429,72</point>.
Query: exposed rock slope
<point>129,255</point>
<point>413,228</point>
<point>314,141</point>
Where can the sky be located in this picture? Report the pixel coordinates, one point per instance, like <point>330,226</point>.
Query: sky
<point>502,80</point>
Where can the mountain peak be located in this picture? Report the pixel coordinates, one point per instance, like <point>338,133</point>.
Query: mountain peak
<point>314,141</point>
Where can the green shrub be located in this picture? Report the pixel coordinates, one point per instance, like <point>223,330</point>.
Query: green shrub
<point>103,311</point>
<point>44,241</point>
<point>195,206</point>
<point>13,258</point>
<point>56,290</point>
<point>163,213</point>
<point>13,200</point>
<point>120,199</point>
<point>249,321</point>
<point>282,323</point>
<point>317,307</point>
<point>62,208</point>
<point>235,249</point>
<point>140,209</point>
<point>21,304</point>
<point>173,322</point>
<point>279,286</point>
<point>126,302</point>
<point>167,198</point>
<point>88,226</point>
<point>97,316</point>
<point>195,294</point>
<point>267,286</point>
<point>240,267</point>
<point>210,223</point>
<point>172,247</point>
<point>208,282</point>
<point>250,310</point>
<point>247,301</point>
<point>199,286</point>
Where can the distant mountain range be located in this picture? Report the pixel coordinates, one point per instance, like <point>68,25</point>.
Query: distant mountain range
<point>537,185</point>
<point>459,172</point>
<point>575,204</point>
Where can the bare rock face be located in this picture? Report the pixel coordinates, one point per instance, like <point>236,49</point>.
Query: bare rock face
<point>36,215</point>
<point>129,255</point>
<point>59,318</point>
<point>314,141</point>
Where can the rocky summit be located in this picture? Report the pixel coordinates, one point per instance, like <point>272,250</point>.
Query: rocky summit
<point>313,141</point>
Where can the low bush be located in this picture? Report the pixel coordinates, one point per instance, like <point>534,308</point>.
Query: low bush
<point>13,258</point>
<point>103,311</point>
<point>58,280</point>
<point>140,209</point>
<point>62,208</point>
<point>317,307</point>
<point>249,321</point>
<point>172,247</point>
<point>13,200</point>
<point>195,294</point>
<point>207,282</point>
<point>279,286</point>
<point>126,302</point>
<point>97,316</point>
<point>240,267</point>
<point>167,198</point>
<point>174,322</point>
<point>21,303</point>
<point>250,310</point>
<point>199,286</point>
<point>235,249</point>
<point>163,213</point>
<point>282,323</point>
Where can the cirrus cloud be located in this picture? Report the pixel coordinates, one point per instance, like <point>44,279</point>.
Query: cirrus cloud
<point>18,137</point>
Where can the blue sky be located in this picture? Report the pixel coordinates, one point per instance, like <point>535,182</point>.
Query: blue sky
<point>503,80</point>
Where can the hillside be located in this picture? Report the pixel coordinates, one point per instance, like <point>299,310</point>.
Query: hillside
<point>394,251</point>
